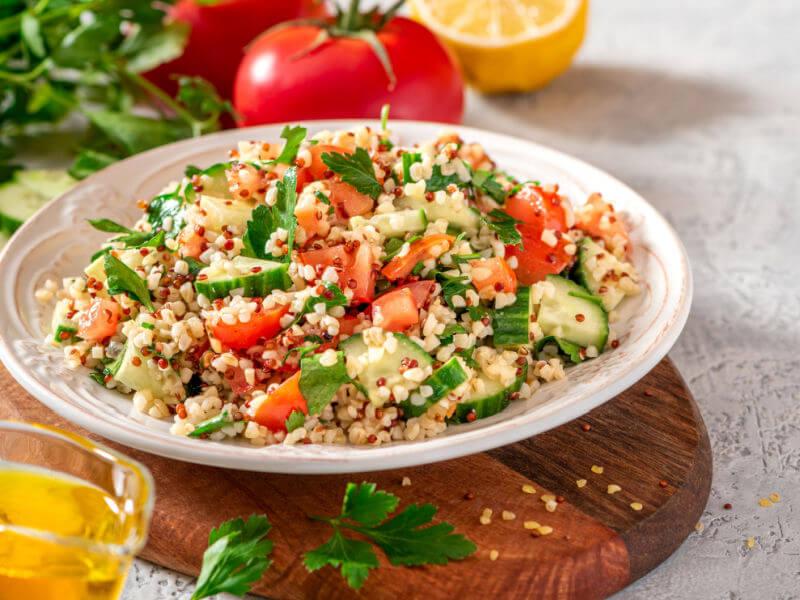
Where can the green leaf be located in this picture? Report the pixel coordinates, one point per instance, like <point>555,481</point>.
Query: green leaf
<point>265,221</point>
<point>406,542</point>
<point>294,136</point>
<point>134,133</point>
<point>330,297</point>
<point>108,226</point>
<point>122,279</point>
<point>505,226</point>
<point>195,266</point>
<point>236,557</point>
<point>89,162</point>
<point>354,557</point>
<point>453,286</point>
<point>165,212</point>
<point>355,169</point>
<point>439,182</point>
<point>318,383</point>
<point>295,420</point>
<point>564,348</point>
<point>202,100</point>
<point>301,352</point>
<point>486,182</point>
<point>32,34</point>
<point>211,425</point>
<point>89,43</point>
<point>409,158</point>
<point>366,505</point>
<point>149,51</point>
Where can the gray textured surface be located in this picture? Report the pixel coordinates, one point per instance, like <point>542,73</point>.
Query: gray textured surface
<point>696,106</point>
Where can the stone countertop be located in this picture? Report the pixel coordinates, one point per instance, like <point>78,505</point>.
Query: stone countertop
<point>696,106</point>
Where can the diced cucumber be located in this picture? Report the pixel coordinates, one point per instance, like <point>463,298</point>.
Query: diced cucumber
<point>443,381</point>
<point>27,192</point>
<point>221,211</point>
<point>466,219</point>
<point>511,324</point>
<point>139,376</point>
<point>60,318</point>
<point>256,279</point>
<point>394,225</point>
<point>550,347</point>
<point>380,364</point>
<point>491,401</point>
<point>605,288</point>
<point>132,258</point>
<point>573,314</point>
<point>213,183</point>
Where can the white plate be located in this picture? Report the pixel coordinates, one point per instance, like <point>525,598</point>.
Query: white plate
<point>58,241</point>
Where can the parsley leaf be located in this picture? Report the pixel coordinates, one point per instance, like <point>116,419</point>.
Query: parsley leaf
<point>486,182</point>
<point>195,266</point>
<point>236,557</point>
<point>211,425</point>
<point>409,158</point>
<point>301,352</point>
<point>295,420</point>
<point>332,296</point>
<point>505,227</point>
<point>355,169</point>
<point>294,136</point>
<point>132,238</point>
<point>108,226</point>
<point>265,221</point>
<point>166,212</point>
<point>453,286</point>
<point>121,279</point>
<point>439,182</point>
<point>403,537</point>
<point>319,383</point>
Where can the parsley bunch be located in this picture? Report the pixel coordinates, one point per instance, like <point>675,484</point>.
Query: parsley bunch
<point>60,57</point>
<point>403,538</point>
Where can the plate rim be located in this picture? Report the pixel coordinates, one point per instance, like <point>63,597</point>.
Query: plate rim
<point>394,456</point>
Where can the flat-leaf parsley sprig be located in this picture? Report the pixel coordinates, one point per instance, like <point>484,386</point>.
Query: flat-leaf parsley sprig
<point>402,538</point>
<point>236,557</point>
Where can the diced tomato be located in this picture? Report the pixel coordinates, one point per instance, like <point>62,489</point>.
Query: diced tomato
<point>240,336</point>
<point>236,378</point>
<point>538,259</point>
<point>432,246</point>
<point>354,267</point>
<point>598,218</point>
<point>317,168</point>
<point>534,206</point>
<point>100,321</point>
<point>348,201</point>
<point>395,311</point>
<point>303,175</point>
<point>490,276</point>
<point>190,243</point>
<point>347,325</point>
<point>421,290</point>
<point>312,219</point>
<point>277,406</point>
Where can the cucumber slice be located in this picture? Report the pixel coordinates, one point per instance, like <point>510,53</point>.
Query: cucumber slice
<point>60,318</point>
<point>27,192</point>
<point>139,377</point>
<point>466,219</point>
<point>443,381</point>
<point>491,401</point>
<point>550,347</point>
<point>607,268</point>
<point>220,211</point>
<point>394,225</point>
<point>512,323</point>
<point>256,279</point>
<point>386,366</point>
<point>213,183</point>
<point>573,314</point>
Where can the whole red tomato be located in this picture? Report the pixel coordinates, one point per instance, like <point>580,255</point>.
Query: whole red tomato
<point>287,75</point>
<point>220,32</point>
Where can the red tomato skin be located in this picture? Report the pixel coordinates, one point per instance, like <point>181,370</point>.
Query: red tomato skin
<point>421,290</point>
<point>276,408</point>
<point>279,80</point>
<point>219,36</point>
<point>348,201</point>
<point>534,206</point>
<point>422,249</point>
<point>240,336</point>
<point>396,310</point>
<point>357,272</point>
<point>100,321</point>
<point>538,259</point>
<point>499,273</point>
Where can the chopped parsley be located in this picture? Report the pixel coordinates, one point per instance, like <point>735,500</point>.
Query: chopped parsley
<point>505,226</point>
<point>211,425</point>
<point>264,221</point>
<point>165,212</point>
<point>319,383</point>
<point>488,184</point>
<point>295,420</point>
<point>122,279</point>
<point>294,136</point>
<point>355,169</point>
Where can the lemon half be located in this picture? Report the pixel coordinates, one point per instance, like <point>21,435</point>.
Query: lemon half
<point>507,45</point>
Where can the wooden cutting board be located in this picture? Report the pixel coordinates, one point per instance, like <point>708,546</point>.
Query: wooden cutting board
<point>650,440</point>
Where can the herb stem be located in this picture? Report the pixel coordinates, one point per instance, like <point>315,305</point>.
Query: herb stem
<point>159,94</point>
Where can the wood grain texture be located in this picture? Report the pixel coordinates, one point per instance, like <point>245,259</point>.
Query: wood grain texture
<point>598,544</point>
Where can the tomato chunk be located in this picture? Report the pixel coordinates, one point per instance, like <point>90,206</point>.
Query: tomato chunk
<point>262,325</point>
<point>353,265</point>
<point>347,325</point>
<point>317,168</point>
<point>421,290</point>
<point>191,243</point>
<point>490,276</point>
<point>599,219</point>
<point>312,218</point>
<point>538,259</point>
<point>432,246</point>
<point>535,206</point>
<point>277,406</point>
<point>100,321</point>
<point>348,201</point>
<point>395,311</point>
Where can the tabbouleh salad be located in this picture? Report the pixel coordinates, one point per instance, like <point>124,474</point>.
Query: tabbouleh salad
<point>341,289</point>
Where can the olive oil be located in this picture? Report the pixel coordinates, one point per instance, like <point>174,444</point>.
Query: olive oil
<point>54,536</point>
